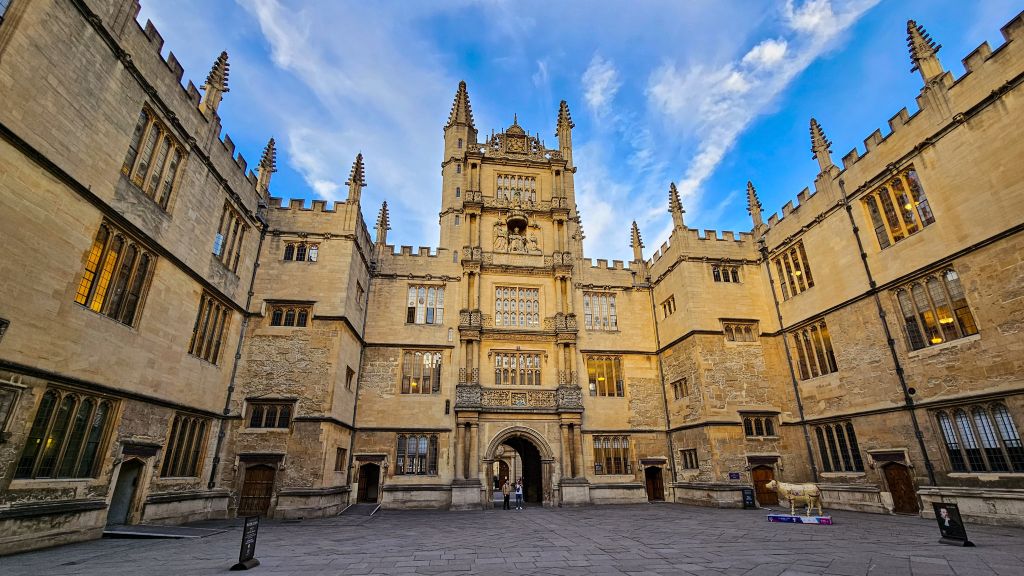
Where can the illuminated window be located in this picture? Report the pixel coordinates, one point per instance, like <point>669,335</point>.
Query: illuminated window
<point>425,305</point>
<point>66,436</point>
<point>605,376</point>
<point>898,208</point>
<point>935,310</point>
<point>421,372</point>
<point>794,273</point>
<point>154,157</point>
<point>599,312</point>
<point>416,454</point>
<point>611,455</point>
<point>116,276</point>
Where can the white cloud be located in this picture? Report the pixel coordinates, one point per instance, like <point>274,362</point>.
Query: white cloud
<point>767,53</point>
<point>600,83</point>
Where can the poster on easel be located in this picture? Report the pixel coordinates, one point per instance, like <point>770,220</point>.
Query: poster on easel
<point>951,525</point>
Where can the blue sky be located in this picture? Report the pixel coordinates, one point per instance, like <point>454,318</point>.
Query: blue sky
<point>708,94</point>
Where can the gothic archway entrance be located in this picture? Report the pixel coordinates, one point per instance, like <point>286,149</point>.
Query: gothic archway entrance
<point>532,475</point>
<point>534,462</point>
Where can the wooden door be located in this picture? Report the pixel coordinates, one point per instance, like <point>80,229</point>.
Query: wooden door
<point>763,475</point>
<point>655,484</point>
<point>257,490</point>
<point>369,482</point>
<point>901,486</point>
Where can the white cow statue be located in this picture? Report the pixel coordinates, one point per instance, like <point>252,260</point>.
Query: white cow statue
<point>809,493</point>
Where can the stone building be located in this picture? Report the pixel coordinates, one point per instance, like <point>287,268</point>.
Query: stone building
<point>176,343</point>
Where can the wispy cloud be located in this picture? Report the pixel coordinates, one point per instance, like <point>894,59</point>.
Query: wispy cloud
<point>600,83</point>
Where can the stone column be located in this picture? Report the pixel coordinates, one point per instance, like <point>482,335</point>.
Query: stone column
<point>474,451</point>
<point>577,453</point>
<point>460,452</point>
<point>566,452</point>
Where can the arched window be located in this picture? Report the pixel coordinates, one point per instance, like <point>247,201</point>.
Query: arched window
<point>314,252</point>
<point>416,454</point>
<point>65,437</point>
<point>116,277</point>
<point>898,208</point>
<point>300,252</point>
<point>458,168</point>
<point>289,317</point>
<point>185,446</point>
<point>612,455</point>
<point>301,317</point>
<point>275,317</point>
<point>460,143</point>
<point>458,191</point>
<point>289,251</point>
<point>837,447</point>
<point>981,438</point>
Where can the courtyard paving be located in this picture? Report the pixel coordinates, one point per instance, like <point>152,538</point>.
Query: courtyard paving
<point>635,539</point>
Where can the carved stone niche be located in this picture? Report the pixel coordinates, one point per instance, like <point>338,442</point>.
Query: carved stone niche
<point>468,396</point>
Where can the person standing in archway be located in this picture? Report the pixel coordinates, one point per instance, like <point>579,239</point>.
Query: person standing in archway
<point>519,494</point>
<point>506,490</point>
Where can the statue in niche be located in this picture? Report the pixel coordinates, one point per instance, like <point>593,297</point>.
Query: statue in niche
<point>531,244</point>
<point>500,237</point>
<point>516,241</point>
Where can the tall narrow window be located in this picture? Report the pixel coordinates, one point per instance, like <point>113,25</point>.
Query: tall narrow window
<point>212,321</point>
<point>421,372</point>
<point>416,454</point>
<point>612,455</point>
<point>516,307</point>
<point>517,369</point>
<point>981,438</point>
<point>934,310</point>
<point>605,376</point>
<point>599,312</point>
<point>116,275</point>
<point>185,446</point>
<point>837,447</point>
<point>680,389</point>
<point>425,305</point>
<point>898,208</point>
<point>153,158</point>
<point>65,436</point>
<point>814,353</point>
<point>688,459</point>
<point>227,244</point>
<point>794,272</point>
<point>668,307</point>
<point>510,188</point>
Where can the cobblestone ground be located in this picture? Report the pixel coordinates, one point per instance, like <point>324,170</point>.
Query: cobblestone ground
<point>637,539</point>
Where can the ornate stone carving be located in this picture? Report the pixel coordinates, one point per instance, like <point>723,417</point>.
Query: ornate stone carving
<point>497,398</point>
<point>467,396</point>
<point>462,375</point>
<point>565,322</point>
<point>470,319</point>
<point>570,397</point>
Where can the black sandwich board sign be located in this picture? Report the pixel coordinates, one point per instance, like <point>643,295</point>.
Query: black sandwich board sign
<point>246,556</point>
<point>748,498</point>
<point>951,526</point>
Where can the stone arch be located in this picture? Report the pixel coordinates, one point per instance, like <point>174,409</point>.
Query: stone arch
<point>529,434</point>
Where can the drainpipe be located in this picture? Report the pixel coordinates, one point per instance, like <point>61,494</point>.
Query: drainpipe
<point>908,399</point>
<point>789,361</point>
<point>664,394</point>
<point>359,376</point>
<point>261,218</point>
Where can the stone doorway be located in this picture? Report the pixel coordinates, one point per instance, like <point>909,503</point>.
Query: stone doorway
<point>257,490</point>
<point>761,476</point>
<point>369,483</point>
<point>531,459</point>
<point>655,484</point>
<point>901,487</point>
<point>533,484</point>
<point>125,491</point>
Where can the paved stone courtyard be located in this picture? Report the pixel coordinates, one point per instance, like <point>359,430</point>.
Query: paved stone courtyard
<point>637,539</point>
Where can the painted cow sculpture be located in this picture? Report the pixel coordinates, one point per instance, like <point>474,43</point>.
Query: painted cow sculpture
<point>804,493</point>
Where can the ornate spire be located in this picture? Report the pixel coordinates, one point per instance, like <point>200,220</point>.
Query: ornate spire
<point>383,224</point>
<point>268,165</point>
<point>462,112</point>
<point>675,207</point>
<point>754,205</point>
<point>636,243</point>
<point>564,118</point>
<point>923,52</point>
<point>563,130</point>
<point>821,147</point>
<point>216,84</point>
<point>356,179</point>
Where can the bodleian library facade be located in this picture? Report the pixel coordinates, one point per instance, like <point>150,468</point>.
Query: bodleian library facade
<point>176,343</point>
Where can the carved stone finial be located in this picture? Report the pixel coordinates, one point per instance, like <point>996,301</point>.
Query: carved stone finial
<point>675,207</point>
<point>268,165</point>
<point>754,205</point>
<point>636,243</point>
<point>564,118</point>
<point>462,112</point>
<point>923,52</point>
<point>216,84</point>
<point>383,224</point>
<point>356,179</point>
<point>821,147</point>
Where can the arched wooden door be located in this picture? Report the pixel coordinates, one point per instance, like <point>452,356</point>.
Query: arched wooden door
<point>257,489</point>
<point>762,475</point>
<point>655,484</point>
<point>369,482</point>
<point>901,486</point>
<point>503,473</point>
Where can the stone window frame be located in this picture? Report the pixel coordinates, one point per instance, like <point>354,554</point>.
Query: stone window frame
<point>79,438</point>
<point>416,454</point>
<point>681,388</point>
<point>981,438</point>
<point>815,355</point>
<point>934,309</point>
<point>614,388</point>
<point>230,236</point>
<point>740,331</point>
<point>424,304</point>
<point>506,185</point>
<point>301,251</point>
<point>517,367</point>
<point>186,435</point>
<point>350,377</point>
<point>116,276</point>
<point>10,394</point>
<point>269,414</point>
<point>668,306</point>
<point>838,450</point>
<point>688,459</point>
<point>760,424</point>
<point>600,311</point>
<point>794,270</point>
<point>725,273</point>
<point>290,314</point>
<point>157,175</point>
<point>213,318</point>
<point>612,455</point>
<point>413,372</point>
<point>340,459</point>
<point>898,208</point>
<point>520,304</point>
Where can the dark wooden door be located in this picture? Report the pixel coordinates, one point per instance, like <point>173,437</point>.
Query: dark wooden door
<point>257,490</point>
<point>901,486</point>
<point>655,484</point>
<point>369,483</point>
<point>761,476</point>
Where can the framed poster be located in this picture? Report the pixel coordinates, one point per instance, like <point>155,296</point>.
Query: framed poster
<point>951,525</point>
